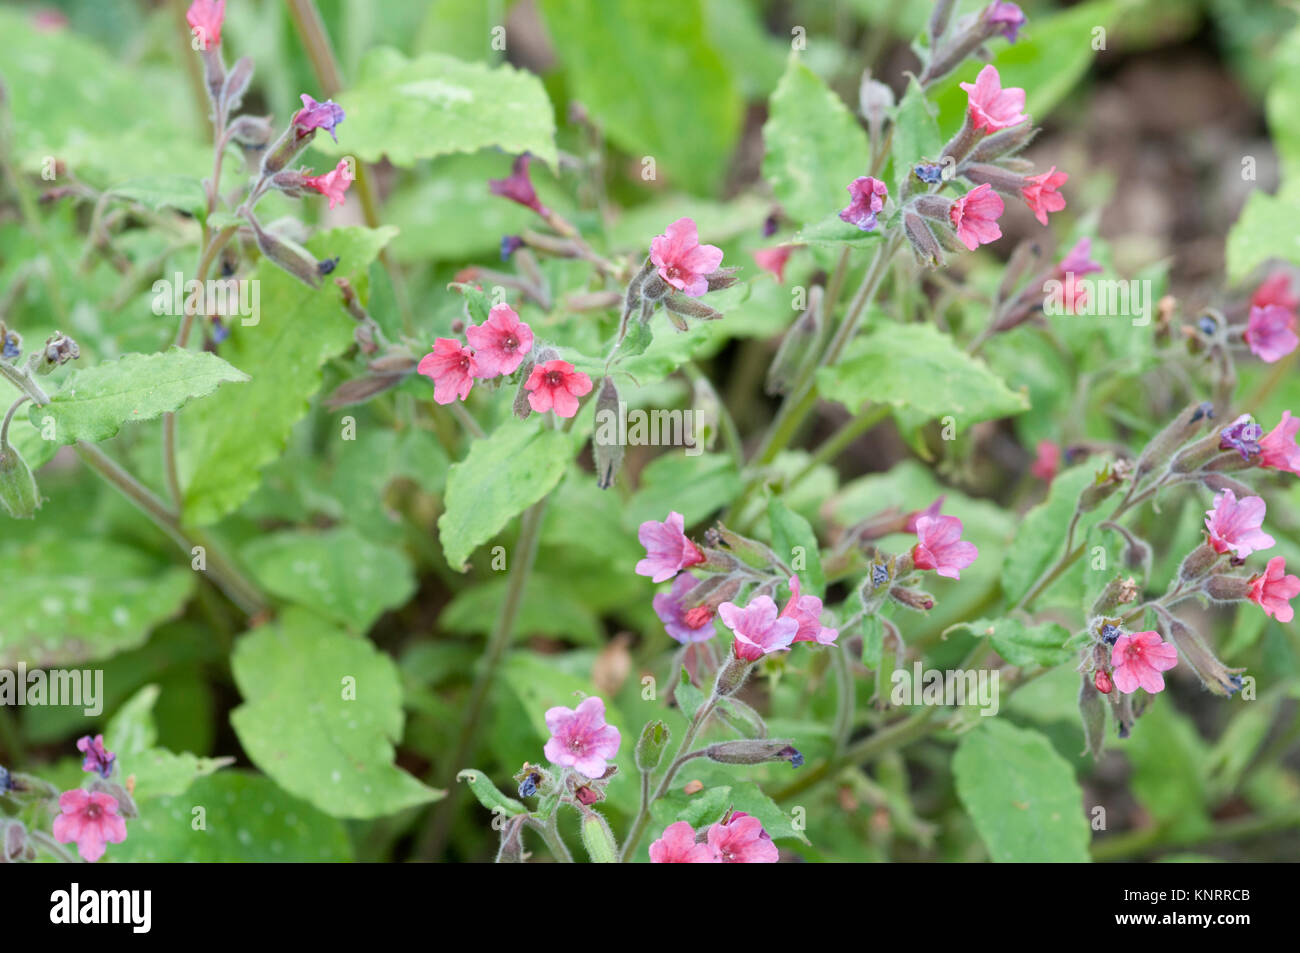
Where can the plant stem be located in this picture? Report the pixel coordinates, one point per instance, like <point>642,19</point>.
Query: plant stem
<point>54,847</point>
<point>1131,843</point>
<point>550,832</point>
<point>846,697</point>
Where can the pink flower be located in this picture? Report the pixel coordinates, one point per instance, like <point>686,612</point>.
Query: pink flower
<point>1138,660</point>
<point>98,760</point>
<point>1072,297</point>
<point>941,547</point>
<point>555,385</point>
<point>500,342</point>
<point>332,184</point>
<point>1078,260</point>
<point>1276,289</point>
<point>682,261</point>
<point>1235,525</point>
<point>1041,193</point>
<point>1278,449</point>
<point>684,625</point>
<point>1006,18</point>
<point>204,18</point>
<point>807,612</point>
<point>451,367</point>
<point>740,839</point>
<point>90,818</point>
<point>992,107</point>
<point>773,260</point>
<point>1273,590</point>
<point>314,115</point>
<point>580,739</point>
<point>667,548</point>
<point>1270,332</point>
<point>1048,462</point>
<point>518,187</point>
<point>931,510</point>
<point>975,215</point>
<point>677,846</point>
<point>867,197</point>
<point>759,630</point>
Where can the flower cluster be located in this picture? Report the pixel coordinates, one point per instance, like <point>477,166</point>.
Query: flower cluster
<point>736,839</point>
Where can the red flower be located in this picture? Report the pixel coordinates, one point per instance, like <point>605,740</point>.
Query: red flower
<point>941,547</point>
<point>992,107</point>
<point>682,261</point>
<point>1138,660</point>
<point>1048,462</point>
<point>500,342</point>
<point>975,216</point>
<point>451,367</point>
<point>204,18</point>
<point>773,260</point>
<point>332,184</point>
<point>1273,590</point>
<point>1278,449</point>
<point>90,818</point>
<point>1041,193</point>
<point>556,386</point>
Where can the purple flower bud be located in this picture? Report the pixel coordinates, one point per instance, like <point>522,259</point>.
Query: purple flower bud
<point>314,115</point>
<point>518,187</point>
<point>769,225</point>
<point>509,245</point>
<point>929,172</point>
<point>1241,435</point>
<point>1005,18</point>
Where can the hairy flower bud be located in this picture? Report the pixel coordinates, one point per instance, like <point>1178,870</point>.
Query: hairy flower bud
<point>1223,588</point>
<point>924,244</point>
<point>1001,179</point>
<point>652,744</point>
<point>754,751</point>
<point>731,676</point>
<point>290,256</point>
<point>1214,675</point>
<point>1217,481</point>
<point>1197,563</point>
<point>1092,711</point>
<point>912,598</point>
<point>1007,142</point>
<point>608,455</point>
<point>598,839</point>
<point>58,350</point>
<point>1163,445</point>
<point>799,346</point>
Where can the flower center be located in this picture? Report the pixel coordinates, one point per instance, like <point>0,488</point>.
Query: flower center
<point>93,811</point>
<point>510,342</point>
<point>576,744</point>
<point>553,379</point>
<point>673,271</point>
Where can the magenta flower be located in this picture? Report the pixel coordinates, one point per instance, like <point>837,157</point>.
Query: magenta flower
<point>682,261</point>
<point>205,18</point>
<point>667,548</point>
<point>975,216</point>
<point>1138,660</point>
<point>678,846</point>
<point>451,367</point>
<point>1047,462</point>
<point>1241,435</point>
<point>1271,332</point>
<point>1235,524</point>
<point>314,115</point>
<point>992,107</point>
<point>1006,18</point>
<point>1078,260</point>
<point>555,385</point>
<point>500,342</point>
<point>1041,193</point>
<point>759,630</point>
<point>1273,590</point>
<point>332,184</point>
<point>773,260</point>
<point>1276,289</point>
<point>1278,449</point>
<point>98,760</point>
<point>941,547</point>
<point>807,612</point>
<point>740,839</point>
<point>580,739</point>
<point>684,625</point>
<point>867,197</point>
<point>90,819</point>
<point>518,186</point>
<point>932,510</point>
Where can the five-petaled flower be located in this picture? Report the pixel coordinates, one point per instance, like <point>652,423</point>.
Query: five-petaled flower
<point>204,18</point>
<point>1234,525</point>
<point>807,611</point>
<point>1272,590</point>
<point>667,547</point>
<point>1278,449</point>
<point>1041,193</point>
<point>678,846</point>
<point>500,342</point>
<point>90,819</point>
<point>975,216</point>
<point>314,115</point>
<point>758,628</point>
<point>580,739</point>
<point>940,546</point>
<point>1271,332</point>
<point>683,624</point>
<point>740,839</point>
<point>1138,660</point>
<point>555,385</point>
<point>333,184</point>
<point>866,199</point>
<point>98,759</point>
<point>682,261</point>
<point>991,107</point>
<point>451,367</point>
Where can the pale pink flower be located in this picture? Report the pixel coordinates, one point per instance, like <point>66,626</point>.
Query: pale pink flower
<point>555,385</point>
<point>682,261</point>
<point>758,628</point>
<point>1047,463</point>
<point>1271,332</point>
<point>333,184</point>
<point>204,18</point>
<point>1041,193</point>
<point>975,216</point>
<point>867,198</point>
<point>90,819</point>
<point>807,612</point>
<point>451,367</point>
<point>773,260</point>
<point>684,625</point>
<point>992,107</point>
<point>1235,524</point>
<point>742,840</point>
<point>98,759</point>
<point>678,846</point>
<point>668,549</point>
<point>500,342</point>
<point>1138,660</point>
<point>580,739</point>
<point>1278,449</point>
<point>1273,590</point>
<point>941,547</point>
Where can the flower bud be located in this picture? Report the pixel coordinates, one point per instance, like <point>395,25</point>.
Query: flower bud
<point>1197,563</point>
<point>912,598</point>
<point>58,350</point>
<point>924,244</point>
<point>252,132</point>
<point>290,144</point>
<point>875,100</point>
<point>754,751</point>
<point>598,839</point>
<point>652,744</point>
<point>1195,455</point>
<point>799,346</point>
<point>1004,143</point>
<point>11,344</point>
<point>1002,180</point>
<point>18,492</point>
<point>1217,481</point>
<point>214,75</point>
<point>731,676</point>
<point>1224,588</point>
<point>1092,711</point>
<point>1118,592</point>
<point>14,847</point>
<point>934,207</point>
<point>1214,675</point>
<point>511,850</point>
<point>237,80</point>
<point>608,455</point>
<point>721,279</point>
<point>1172,437</point>
<point>290,256</point>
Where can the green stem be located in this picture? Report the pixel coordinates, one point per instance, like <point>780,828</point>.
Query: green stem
<point>54,847</point>
<point>846,697</point>
<point>1132,843</point>
<point>550,832</point>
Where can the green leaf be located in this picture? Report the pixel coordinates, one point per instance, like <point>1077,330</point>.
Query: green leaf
<point>1020,644</point>
<point>338,573</point>
<point>1169,757</point>
<point>95,402</point>
<point>132,736</point>
<point>916,133</point>
<point>918,367</point>
<point>814,146</point>
<point>790,531</point>
<point>504,474</point>
<point>693,486</point>
<point>227,440</point>
<point>721,792</point>
<point>832,230</point>
<point>688,697</point>
<point>158,192</point>
<point>1021,795</point>
<point>489,796</point>
<point>1041,535</point>
<point>1264,230</point>
<point>245,818</point>
<point>433,105</point>
<point>650,77</point>
<point>873,641</point>
<point>322,711</point>
<point>73,600</point>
